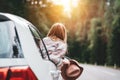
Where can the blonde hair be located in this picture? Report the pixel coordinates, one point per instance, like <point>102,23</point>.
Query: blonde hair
<point>58,30</point>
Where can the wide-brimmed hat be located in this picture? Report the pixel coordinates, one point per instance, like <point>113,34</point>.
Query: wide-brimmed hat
<point>71,71</point>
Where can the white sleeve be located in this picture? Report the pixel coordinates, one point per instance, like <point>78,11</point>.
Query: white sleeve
<point>57,55</point>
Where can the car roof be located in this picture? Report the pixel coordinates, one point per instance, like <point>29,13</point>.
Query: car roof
<point>14,18</point>
<point>3,18</point>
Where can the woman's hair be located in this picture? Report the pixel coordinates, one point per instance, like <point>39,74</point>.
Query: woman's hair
<point>58,30</point>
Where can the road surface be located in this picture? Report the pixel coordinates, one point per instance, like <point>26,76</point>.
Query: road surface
<point>92,72</point>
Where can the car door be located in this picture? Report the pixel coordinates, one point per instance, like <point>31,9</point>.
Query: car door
<point>47,67</point>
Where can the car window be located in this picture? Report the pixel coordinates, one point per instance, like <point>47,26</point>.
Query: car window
<point>5,42</point>
<point>9,41</point>
<point>38,40</point>
<point>35,35</point>
<point>17,49</point>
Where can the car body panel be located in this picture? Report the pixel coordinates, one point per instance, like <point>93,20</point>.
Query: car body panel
<point>32,56</point>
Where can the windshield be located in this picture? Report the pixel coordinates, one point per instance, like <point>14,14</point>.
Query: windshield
<point>4,40</point>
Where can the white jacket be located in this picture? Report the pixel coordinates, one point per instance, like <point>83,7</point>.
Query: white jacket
<point>56,49</point>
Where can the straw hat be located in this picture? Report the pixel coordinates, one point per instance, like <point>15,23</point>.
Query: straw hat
<point>72,71</point>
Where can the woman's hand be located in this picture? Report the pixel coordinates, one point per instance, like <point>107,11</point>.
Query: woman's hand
<point>66,61</point>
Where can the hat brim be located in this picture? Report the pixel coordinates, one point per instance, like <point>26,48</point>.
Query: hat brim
<point>65,67</point>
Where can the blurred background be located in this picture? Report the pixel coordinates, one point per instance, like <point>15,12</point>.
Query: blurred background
<point>93,26</point>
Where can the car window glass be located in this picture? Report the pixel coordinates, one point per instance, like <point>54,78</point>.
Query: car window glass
<point>17,50</point>
<point>35,35</point>
<point>5,42</point>
<point>9,41</point>
<point>38,41</point>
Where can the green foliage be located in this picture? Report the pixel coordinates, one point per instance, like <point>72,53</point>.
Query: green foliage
<point>113,51</point>
<point>93,27</point>
<point>97,45</point>
<point>114,45</point>
<point>13,6</point>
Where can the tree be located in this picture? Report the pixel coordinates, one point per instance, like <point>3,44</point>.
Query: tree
<point>97,44</point>
<point>114,45</point>
<point>113,32</point>
<point>16,7</point>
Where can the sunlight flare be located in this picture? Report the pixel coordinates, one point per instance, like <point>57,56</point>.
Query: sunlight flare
<point>67,5</point>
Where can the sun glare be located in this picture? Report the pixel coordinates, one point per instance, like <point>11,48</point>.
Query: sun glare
<point>67,4</point>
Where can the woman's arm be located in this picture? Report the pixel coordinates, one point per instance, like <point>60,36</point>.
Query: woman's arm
<point>58,54</point>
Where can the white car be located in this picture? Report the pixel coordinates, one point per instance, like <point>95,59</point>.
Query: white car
<point>20,55</point>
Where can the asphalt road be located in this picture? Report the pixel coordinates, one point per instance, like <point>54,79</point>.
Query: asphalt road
<point>92,72</point>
